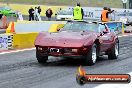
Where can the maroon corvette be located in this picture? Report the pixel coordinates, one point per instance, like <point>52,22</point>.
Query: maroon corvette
<point>80,39</point>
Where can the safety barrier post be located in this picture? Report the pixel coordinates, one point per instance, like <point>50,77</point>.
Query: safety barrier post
<point>123,29</point>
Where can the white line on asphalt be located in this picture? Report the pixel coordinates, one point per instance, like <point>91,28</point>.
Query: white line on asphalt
<point>129,85</point>
<point>15,51</point>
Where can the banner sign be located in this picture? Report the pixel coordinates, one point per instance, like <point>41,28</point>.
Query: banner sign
<point>94,13</point>
<point>5,42</point>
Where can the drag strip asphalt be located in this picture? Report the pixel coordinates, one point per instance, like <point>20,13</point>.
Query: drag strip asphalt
<point>21,69</point>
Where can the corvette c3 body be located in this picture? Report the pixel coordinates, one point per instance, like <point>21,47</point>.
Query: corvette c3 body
<point>86,40</point>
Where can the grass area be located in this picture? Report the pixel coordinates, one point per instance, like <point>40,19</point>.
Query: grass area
<point>91,3</point>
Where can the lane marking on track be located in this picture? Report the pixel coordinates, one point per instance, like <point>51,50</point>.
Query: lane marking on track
<point>129,85</point>
<point>15,51</point>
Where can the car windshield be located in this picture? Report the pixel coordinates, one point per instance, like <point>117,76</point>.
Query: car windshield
<point>80,26</point>
<point>65,12</point>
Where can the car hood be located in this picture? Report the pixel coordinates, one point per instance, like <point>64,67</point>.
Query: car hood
<point>65,39</point>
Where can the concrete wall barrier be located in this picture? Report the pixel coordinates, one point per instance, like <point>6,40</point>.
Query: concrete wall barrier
<point>32,26</point>
<point>23,40</point>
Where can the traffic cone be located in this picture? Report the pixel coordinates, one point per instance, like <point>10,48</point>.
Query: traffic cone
<point>12,28</point>
<point>8,30</point>
<point>4,20</point>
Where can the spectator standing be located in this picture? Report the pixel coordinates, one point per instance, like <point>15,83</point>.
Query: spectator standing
<point>31,14</point>
<point>105,14</point>
<point>39,12</point>
<point>20,17</point>
<point>39,9</point>
<point>36,14</point>
<point>78,12</point>
<point>49,13</point>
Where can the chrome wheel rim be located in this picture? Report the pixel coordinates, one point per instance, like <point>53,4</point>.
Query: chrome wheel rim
<point>116,49</point>
<point>94,55</point>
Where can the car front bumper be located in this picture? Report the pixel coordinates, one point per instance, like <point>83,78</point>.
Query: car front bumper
<point>63,52</point>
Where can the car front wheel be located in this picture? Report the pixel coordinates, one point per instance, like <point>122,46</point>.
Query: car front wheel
<point>40,58</point>
<point>91,57</point>
<point>114,52</point>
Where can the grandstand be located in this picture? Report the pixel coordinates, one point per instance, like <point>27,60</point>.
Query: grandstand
<point>90,3</point>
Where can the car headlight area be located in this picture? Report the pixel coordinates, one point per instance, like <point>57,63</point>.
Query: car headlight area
<point>49,50</point>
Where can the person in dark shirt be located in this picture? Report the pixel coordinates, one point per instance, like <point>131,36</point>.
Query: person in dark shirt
<point>39,9</point>
<point>49,13</point>
<point>31,14</point>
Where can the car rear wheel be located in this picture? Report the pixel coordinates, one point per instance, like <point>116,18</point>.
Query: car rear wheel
<point>40,58</point>
<point>91,57</point>
<point>114,52</point>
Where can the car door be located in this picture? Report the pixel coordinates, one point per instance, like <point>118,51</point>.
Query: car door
<point>106,38</point>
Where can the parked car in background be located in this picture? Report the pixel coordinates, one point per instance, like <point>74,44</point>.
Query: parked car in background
<point>66,14</point>
<point>7,11</point>
<point>78,39</point>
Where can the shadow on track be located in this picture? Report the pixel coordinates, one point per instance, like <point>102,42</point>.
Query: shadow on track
<point>69,62</point>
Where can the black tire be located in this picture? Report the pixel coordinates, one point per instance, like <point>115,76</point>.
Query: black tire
<point>114,52</point>
<point>88,60</point>
<point>40,58</point>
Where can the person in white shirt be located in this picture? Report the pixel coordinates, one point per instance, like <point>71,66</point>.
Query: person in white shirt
<point>36,14</point>
<point>20,17</point>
